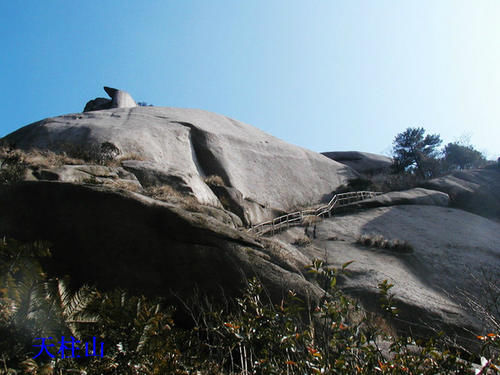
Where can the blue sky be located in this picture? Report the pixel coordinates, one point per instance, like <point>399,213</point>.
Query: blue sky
<point>325,75</point>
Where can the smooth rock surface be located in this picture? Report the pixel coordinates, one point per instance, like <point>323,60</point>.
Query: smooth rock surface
<point>190,144</point>
<point>120,98</point>
<point>418,196</point>
<point>362,162</point>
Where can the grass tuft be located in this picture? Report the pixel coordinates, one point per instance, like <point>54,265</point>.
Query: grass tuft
<point>378,241</point>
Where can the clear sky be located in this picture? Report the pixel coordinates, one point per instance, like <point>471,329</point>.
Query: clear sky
<point>326,75</point>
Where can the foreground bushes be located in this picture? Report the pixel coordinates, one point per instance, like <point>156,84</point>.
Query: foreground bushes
<point>248,334</point>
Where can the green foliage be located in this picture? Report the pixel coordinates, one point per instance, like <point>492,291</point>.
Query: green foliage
<point>458,156</point>
<point>249,334</point>
<point>386,298</point>
<point>414,153</point>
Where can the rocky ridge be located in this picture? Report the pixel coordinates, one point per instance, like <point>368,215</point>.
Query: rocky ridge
<point>106,230</point>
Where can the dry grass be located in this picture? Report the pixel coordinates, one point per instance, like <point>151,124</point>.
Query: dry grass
<point>130,156</point>
<point>164,193</point>
<point>190,203</point>
<point>167,193</point>
<point>124,185</point>
<point>302,241</point>
<point>378,241</point>
<point>39,158</point>
<point>311,220</point>
<point>214,180</point>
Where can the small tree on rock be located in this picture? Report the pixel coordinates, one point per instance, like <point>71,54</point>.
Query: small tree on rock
<point>415,153</point>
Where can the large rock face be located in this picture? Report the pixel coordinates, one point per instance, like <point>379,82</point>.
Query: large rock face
<point>187,145</point>
<point>453,252</point>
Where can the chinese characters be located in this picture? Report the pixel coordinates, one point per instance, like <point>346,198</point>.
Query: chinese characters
<point>68,348</point>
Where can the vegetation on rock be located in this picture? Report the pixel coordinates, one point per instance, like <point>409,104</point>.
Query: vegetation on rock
<point>380,242</point>
<point>250,334</point>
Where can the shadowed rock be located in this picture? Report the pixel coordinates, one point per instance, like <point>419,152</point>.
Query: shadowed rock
<point>121,239</point>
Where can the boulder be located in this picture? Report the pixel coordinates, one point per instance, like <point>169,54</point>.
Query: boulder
<point>362,162</point>
<point>98,104</point>
<point>474,190</point>
<point>186,145</point>
<point>119,99</point>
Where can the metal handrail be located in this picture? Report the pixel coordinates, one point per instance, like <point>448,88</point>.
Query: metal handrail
<point>297,217</point>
